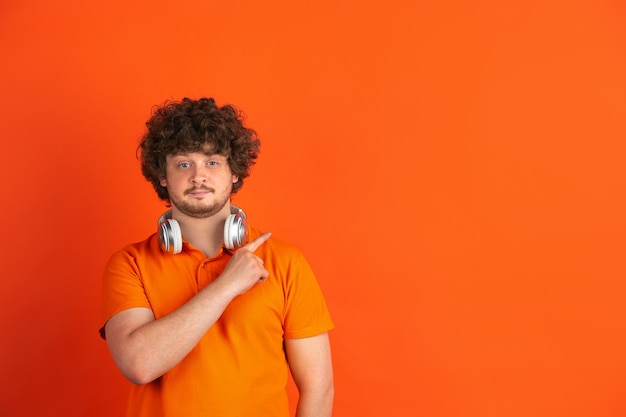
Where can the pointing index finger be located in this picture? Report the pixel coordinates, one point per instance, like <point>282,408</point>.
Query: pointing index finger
<point>256,243</point>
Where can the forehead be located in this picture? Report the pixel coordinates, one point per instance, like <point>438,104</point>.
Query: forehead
<point>198,148</point>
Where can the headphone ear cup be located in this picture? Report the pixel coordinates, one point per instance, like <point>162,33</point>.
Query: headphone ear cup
<point>235,231</point>
<point>170,236</point>
<point>229,241</point>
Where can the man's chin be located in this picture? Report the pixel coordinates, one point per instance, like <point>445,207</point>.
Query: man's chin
<point>199,211</point>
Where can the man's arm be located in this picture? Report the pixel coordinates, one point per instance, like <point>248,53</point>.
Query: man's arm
<point>144,348</point>
<point>311,367</point>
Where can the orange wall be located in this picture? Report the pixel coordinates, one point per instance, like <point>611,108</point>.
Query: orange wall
<point>453,170</point>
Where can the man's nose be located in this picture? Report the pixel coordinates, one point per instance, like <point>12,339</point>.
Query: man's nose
<point>199,175</point>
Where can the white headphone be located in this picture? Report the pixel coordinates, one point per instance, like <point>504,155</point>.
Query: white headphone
<point>235,231</point>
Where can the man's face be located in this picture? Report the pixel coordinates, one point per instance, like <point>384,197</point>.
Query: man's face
<point>199,184</point>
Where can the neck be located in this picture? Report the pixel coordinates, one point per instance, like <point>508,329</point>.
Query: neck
<point>205,234</point>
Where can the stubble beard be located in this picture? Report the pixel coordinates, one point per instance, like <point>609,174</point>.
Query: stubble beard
<point>200,210</point>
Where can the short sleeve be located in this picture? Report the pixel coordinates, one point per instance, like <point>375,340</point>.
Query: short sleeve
<point>122,287</point>
<point>306,312</point>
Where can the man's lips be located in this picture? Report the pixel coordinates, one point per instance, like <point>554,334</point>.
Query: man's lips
<point>199,192</point>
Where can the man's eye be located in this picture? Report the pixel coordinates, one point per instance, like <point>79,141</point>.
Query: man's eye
<point>213,163</point>
<point>184,165</point>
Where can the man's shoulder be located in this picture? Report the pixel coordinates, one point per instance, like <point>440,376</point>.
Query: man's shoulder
<point>140,249</point>
<point>274,245</point>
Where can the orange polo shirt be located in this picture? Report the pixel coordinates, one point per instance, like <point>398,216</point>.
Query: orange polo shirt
<point>239,367</point>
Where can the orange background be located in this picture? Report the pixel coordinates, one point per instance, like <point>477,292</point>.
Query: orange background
<point>453,170</point>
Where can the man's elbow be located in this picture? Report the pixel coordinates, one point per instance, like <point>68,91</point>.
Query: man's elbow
<point>316,401</point>
<point>138,373</point>
<point>327,389</point>
<point>138,378</point>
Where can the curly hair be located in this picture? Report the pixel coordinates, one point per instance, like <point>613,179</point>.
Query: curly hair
<point>188,126</point>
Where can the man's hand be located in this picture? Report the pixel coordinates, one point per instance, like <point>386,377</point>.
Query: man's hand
<point>245,269</point>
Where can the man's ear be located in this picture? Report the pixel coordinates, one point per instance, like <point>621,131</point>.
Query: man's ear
<point>163,182</point>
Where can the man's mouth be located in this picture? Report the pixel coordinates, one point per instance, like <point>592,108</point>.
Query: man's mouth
<point>199,191</point>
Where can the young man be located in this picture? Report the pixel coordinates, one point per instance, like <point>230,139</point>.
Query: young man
<point>203,323</point>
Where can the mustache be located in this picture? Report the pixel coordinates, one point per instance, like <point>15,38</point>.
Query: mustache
<point>198,188</point>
